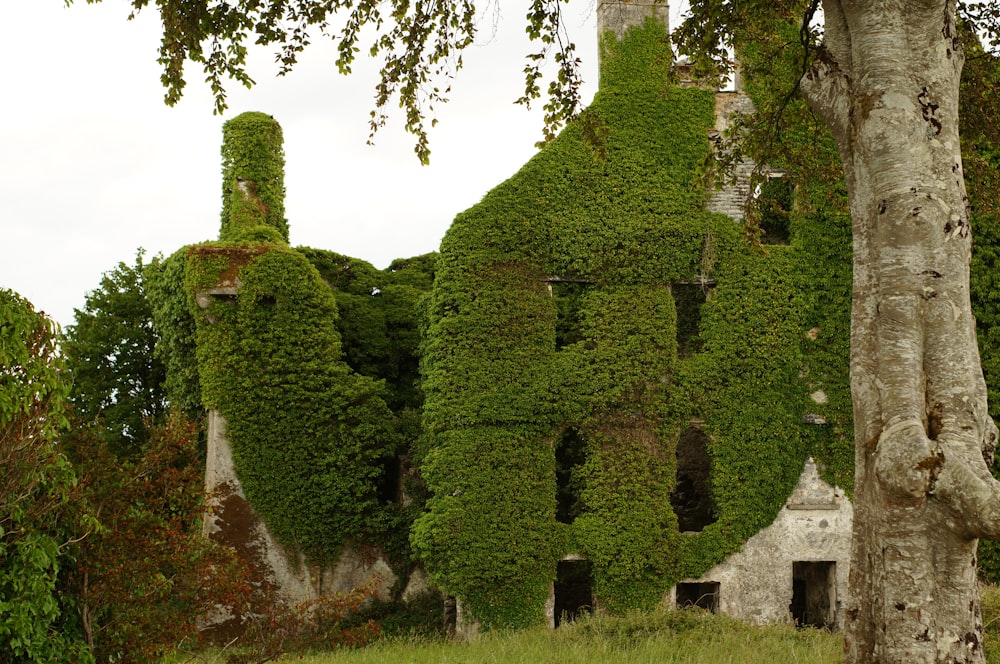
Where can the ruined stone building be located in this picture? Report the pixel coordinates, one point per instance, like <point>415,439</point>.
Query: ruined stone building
<point>621,401</point>
<point>629,403</point>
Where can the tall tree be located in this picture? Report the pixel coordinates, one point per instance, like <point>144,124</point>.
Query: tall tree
<point>886,81</point>
<point>118,382</point>
<point>887,85</point>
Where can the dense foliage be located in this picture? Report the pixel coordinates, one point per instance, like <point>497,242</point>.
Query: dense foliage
<point>38,622</point>
<point>253,179</point>
<point>117,379</point>
<point>270,362</point>
<point>146,575</point>
<point>556,308</point>
<point>175,329</point>
<point>270,359</point>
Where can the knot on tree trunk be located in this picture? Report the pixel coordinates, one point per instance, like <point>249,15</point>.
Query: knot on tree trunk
<point>906,461</point>
<point>967,489</point>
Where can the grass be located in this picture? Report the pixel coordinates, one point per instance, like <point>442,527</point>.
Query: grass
<point>660,637</point>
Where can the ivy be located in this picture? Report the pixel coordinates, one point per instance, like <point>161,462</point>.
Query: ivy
<point>556,308</point>
<point>175,326</point>
<point>253,180</point>
<point>307,433</point>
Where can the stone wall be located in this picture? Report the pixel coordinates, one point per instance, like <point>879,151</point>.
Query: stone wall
<point>731,199</point>
<point>619,15</point>
<point>779,571</point>
<point>274,572</point>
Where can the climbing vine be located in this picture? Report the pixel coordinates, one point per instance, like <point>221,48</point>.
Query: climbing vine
<point>253,179</point>
<point>309,435</point>
<point>307,432</point>
<point>556,307</point>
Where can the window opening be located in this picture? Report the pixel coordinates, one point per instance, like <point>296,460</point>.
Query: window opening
<point>692,495</point>
<point>213,298</point>
<point>775,197</point>
<point>688,299</point>
<point>450,615</point>
<point>571,453</point>
<point>389,487</point>
<point>704,595</point>
<point>568,296</point>
<point>573,589</point>
<point>814,594</point>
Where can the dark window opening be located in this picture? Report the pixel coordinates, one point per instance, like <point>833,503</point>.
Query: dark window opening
<point>573,589</point>
<point>216,302</point>
<point>775,199</point>
<point>702,595</point>
<point>450,615</point>
<point>814,594</point>
<point>688,299</point>
<point>389,488</point>
<point>568,297</point>
<point>692,496</point>
<point>571,453</point>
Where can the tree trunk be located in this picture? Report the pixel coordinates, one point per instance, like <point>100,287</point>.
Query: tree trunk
<point>886,82</point>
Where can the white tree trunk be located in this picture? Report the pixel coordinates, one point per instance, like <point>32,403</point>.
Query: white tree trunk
<point>887,84</point>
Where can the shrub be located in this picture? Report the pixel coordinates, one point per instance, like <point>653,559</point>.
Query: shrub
<point>37,485</point>
<point>146,576</point>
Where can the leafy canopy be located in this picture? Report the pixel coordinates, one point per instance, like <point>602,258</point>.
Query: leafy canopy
<point>419,45</point>
<point>117,379</point>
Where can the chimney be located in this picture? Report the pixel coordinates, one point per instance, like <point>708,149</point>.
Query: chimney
<point>617,16</point>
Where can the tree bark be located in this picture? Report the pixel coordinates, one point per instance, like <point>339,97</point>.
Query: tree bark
<point>886,82</point>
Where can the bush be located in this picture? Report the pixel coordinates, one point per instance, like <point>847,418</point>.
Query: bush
<point>37,485</point>
<point>146,576</point>
<point>311,625</point>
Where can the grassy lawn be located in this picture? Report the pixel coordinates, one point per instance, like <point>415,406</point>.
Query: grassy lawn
<point>699,641</point>
<point>661,637</point>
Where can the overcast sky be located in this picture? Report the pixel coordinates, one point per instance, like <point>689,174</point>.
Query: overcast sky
<point>93,165</point>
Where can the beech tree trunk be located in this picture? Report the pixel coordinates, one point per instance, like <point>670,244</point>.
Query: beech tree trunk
<point>887,84</point>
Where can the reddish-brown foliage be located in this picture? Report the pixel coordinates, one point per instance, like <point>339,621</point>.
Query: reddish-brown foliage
<point>147,574</point>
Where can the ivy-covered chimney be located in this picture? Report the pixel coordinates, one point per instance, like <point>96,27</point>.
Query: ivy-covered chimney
<point>617,16</point>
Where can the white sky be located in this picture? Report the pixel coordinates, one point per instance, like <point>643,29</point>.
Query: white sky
<point>93,165</point>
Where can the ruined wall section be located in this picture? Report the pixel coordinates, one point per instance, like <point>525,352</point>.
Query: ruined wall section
<point>274,570</point>
<point>762,582</point>
<point>298,441</point>
<point>731,199</point>
<point>617,16</point>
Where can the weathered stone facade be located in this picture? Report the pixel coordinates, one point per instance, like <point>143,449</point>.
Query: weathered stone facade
<point>796,569</point>
<point>731,199</point>
<point>275,571</point>
<point>617,16</point>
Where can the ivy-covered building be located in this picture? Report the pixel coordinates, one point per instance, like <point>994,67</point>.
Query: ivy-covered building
<point>305,364</point>
<point>621,391</point>
<point>628,402</point>
<point>620,400</point>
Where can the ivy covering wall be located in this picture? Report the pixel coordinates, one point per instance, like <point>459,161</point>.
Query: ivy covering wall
<point>343,351</point>
<point>556,309</point>
<point>583,316</point>
<point>253,179</point>
<point>308,433</point>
